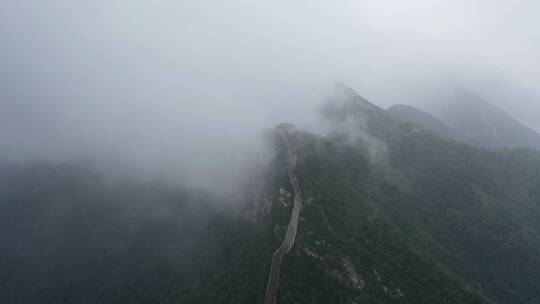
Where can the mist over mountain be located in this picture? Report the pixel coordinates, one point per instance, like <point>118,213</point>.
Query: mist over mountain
<point>471,120</point>
<point>391,212</point>
<point>486,124</point>
<point>411,114</point>
<point>169,88</point>
<point>198,152</point>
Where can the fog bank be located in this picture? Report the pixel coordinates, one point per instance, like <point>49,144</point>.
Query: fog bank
<point>184,89</point>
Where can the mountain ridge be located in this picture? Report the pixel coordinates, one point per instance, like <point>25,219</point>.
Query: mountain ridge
<point>417,219</point>
<point>487,125</point>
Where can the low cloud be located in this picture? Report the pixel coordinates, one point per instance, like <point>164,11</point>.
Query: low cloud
<point>185,89</point>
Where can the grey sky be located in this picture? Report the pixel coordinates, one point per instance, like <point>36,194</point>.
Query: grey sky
<point>173,82</point>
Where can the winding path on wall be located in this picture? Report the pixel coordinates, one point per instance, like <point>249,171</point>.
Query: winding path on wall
<point>288,241</point>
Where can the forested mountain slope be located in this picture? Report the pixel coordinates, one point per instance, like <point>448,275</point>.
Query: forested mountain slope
<point>391,213</point>
<point>406,113</point>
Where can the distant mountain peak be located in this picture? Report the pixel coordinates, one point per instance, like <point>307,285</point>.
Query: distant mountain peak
<point>346,106</point>
<point>466,117</point>
<point>490,126</point>
<point>343,94</point>
<point>341,90</point>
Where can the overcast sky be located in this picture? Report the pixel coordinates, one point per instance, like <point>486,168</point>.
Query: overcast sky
<point>174,82</point>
